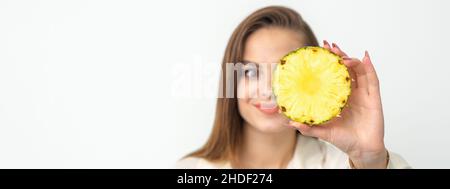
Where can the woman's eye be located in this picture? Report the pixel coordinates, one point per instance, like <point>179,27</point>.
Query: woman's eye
<point>250,73</point>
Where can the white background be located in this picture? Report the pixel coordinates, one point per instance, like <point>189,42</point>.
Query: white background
<point>89,84</point>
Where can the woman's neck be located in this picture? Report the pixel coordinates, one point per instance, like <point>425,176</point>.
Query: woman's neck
<point>266,150</point>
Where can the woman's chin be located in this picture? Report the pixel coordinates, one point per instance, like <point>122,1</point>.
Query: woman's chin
<point>272,127</point>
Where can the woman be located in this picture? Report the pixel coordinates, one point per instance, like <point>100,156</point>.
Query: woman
<point>248,135</point>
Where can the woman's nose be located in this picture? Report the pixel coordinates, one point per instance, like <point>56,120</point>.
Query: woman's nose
<point>265,89</point>
<point>266,94</point>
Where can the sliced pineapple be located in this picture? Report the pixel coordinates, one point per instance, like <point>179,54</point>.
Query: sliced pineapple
<point>311,85</point>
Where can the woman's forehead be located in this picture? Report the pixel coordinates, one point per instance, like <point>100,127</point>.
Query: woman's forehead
<point>268,45</point>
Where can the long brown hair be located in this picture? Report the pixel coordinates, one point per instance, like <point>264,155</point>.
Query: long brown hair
<point>226,135</point>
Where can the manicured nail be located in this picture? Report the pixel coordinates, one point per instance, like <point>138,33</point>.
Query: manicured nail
<point>325,42</point>
<point>366,54</point>
<point>334,45</point>
<point>346,58</point>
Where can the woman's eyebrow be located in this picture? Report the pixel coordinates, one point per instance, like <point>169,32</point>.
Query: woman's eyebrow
<point>248,62</point>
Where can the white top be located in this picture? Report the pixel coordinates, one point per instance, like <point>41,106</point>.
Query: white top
<point>310,153</point>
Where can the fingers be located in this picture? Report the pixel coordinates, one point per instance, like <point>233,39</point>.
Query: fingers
<point>352,73</point>
<point>359,70</point>
<point>334,48</point>
<point>371,75</point>
<point>313,131</point>
<point>351,62</point>
<point>366,76</point>
<point>362,72</point>
<point>338,50</point>
<point>326,45</point>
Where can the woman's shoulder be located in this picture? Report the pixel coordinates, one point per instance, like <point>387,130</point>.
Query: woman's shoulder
<point>199,163</point>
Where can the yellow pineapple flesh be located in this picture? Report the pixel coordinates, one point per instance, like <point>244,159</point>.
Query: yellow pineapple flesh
<point>311,85</point>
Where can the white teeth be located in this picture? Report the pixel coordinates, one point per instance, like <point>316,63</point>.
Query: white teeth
<point>268,105</point>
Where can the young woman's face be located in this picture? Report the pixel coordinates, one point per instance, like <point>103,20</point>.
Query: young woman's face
<point>264,48</point>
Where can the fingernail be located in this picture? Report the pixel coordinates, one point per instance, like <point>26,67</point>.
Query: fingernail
<point>325,42</point>
<point>334,45</point>
<point>346,58</point>
<point>368,57</point>
<point>367,54</point>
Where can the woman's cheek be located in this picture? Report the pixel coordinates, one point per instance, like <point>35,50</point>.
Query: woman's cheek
<point>247,89</point>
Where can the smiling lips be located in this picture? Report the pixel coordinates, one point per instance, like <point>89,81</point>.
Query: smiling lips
<point>267,108</point>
